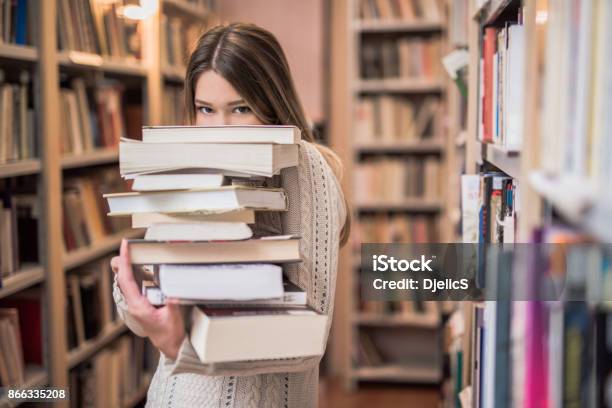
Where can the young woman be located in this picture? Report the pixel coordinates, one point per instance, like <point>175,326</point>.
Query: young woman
<point>238,75</point>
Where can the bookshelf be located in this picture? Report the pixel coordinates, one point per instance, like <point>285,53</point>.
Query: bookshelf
<point>50,67</point>
<point>554,197</point>
<point>410,92</point>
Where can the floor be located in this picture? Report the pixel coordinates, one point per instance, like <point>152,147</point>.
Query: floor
<point>332,394</point>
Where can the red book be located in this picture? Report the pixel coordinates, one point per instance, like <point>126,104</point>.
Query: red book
<point>488,53</point>
<point>28,303</point>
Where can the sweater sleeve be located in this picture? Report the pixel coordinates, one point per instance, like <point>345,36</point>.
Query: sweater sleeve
<point>316,213</point>
<point>122,311</point>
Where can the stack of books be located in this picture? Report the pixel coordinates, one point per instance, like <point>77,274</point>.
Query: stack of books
<point>196,190</point>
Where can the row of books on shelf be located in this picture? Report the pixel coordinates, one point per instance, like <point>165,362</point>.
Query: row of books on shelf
<point>89,309</point>
<point>20,335</point>
<point>85,222</point>
<point>18,22</point>
<point>576,110</point>
<point>489,208</point>
<point>502,86</point>
<point>416,57</point>
<point>18,224</point>
<point>536,352</point>
<point>17,129</point>
<point>397,228</point>
<point>403,10</point>
<point>173,105</point>
<point>207,184</point>
<point>98,28</point>
<point>396,119</point>
<point>115,376</point>
<point>95,118</point>
<point>396,180</point>
<point>178,36</point>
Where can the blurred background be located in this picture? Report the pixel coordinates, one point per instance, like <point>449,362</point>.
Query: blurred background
<point>439,109</point>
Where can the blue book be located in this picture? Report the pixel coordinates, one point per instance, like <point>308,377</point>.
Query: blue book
<point>21,22</point>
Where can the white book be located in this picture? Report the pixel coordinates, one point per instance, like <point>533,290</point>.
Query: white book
<point>199,231</point>
<point>218,199</point>
<point>221,134</point>
<point>145,220</point>
<point>259,159</point>
<point>174,181</point>
<point>221,281</point>
<point>293,296</point>
<point>514,93</point>
<point>225,335</point>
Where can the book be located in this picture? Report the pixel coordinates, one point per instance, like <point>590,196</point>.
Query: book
<point>225,198</point>
<point>293,296</point>
<point>145,220</point>
<point>177,181</point>
<point>200,231</point>
<point>258,159</point>
<point>224,335</point>
<point>221,281</point>
<point>222,134</point>
<point>275,249</point>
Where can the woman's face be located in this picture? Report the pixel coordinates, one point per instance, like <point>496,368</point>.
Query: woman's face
<point>217,103</point>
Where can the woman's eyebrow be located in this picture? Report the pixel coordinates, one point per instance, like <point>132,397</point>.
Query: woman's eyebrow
<point>237,102</point>
<point>202,102</point>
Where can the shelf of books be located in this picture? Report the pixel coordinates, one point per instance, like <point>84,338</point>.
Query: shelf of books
<point>537,114</point>
<point>75,77</point>
<point>398,155</point>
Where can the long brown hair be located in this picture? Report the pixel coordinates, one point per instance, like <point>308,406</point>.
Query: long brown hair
<point>252,60</point>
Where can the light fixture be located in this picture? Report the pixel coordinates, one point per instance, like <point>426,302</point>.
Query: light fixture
<point>144,9</point>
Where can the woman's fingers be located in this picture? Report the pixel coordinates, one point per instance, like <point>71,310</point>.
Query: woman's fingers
<point>128,284</point>
<point>115,264</point>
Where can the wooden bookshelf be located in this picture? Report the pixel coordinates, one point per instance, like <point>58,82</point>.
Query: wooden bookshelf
<point>398,320</point>
<point>398,373</point>
<point>397,26</point>
<point>415,205</point>
<point>91,347</point>
<point>24,278</point>
<point>348,87</point>
<point>399,85</point>
<point>140,393</point>
<point>18,52</point>
<point>93,158</point>
<point>435,145</point>
<point>35,377</point>
<point>47,64</point>
<point>87,254</point>
<point>20,168</point>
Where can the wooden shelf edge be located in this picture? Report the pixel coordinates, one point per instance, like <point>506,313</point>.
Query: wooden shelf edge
<point>397,25</point>
<point>174,73</point>
<point>105,64</point>
<point>18,52</point>
<point>83,255</point>
<point>20,168</point>
<point>504,159</point>
<point>91,347</point>
<point>412,85</point>
<point>22,279</point>
<point>187,9</point>
<point>417,146</point>
<point>409,205</point>
<point>397,373</point>
<point>92,158</point>
<point>373,319</point>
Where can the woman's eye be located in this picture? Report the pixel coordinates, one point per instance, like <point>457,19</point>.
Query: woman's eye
<point>205,110</point>
<point>242,110</point>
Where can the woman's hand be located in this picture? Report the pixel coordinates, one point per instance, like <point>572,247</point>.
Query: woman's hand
<point>164,325</point>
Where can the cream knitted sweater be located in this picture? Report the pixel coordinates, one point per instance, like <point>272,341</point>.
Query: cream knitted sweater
<point>316,213</point>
